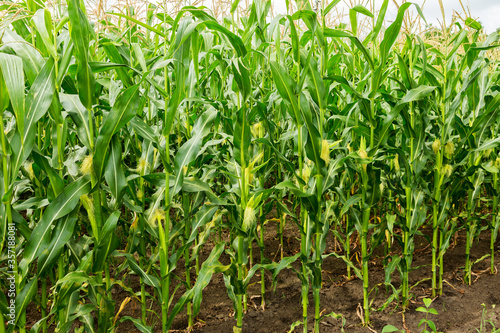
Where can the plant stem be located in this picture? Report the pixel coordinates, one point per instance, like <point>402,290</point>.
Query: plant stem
<point>435,213</point>
<point>494,223</point>
<point>303,239</point>
<point>262,259</point>
<point>469,235</point>
<point>44,303</point>
<point>60,275</point>
<point>441,264</point>
<point>347,244</point>
<point>187,259</point>
<point>318,260</point>
<point>364,256</point>
<point>364,248</point>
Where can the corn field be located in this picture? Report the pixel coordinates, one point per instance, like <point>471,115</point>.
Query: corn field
<point>129,145</point>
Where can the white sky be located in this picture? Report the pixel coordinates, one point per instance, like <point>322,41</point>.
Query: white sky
<point>486,11</point>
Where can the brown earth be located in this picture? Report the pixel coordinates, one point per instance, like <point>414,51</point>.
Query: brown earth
<point>460,307</point>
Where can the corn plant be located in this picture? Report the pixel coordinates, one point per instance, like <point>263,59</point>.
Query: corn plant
<point>130,145</point>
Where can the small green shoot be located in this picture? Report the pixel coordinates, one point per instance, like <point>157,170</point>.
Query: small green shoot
<point>485,321</point>
<point>428,324</point>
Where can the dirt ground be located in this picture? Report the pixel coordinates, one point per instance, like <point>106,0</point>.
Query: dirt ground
<point>460,307</point>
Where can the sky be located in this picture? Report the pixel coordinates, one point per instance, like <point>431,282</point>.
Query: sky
<point>486,11</point>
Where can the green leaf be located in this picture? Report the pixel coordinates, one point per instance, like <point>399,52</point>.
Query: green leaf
<point>142,24</point>
<point>278,267</point>
<point>471,23</point>
<point>316,86</point>
<point>118,60</point>
<point>80,116</point>
<point>4,94</point>
<point>201,218</point>
<point>210,23</point>
<point>61,206</point>
<point>56,181</point>
<point>64,63</point>
<point>234,6</point>
<point>350,202</point>
<point>208,268</point>
<point>148,279</point>
<point>411,96</point>
<point>330,7</point>
<point>77,277</point>
<point>114,174</point>
<point>42,19</point>
<point>138,324</point>
<point>139,56</point>
<point>188,151</point>
<point>362,10</point>
<point>124,109</point>
<point>193,185</point>
<point>295,38</point>
<point>285,84</point>
<point>348,262</point>
<point>392,32</point>
<point>241,138</point>
<point>37,103</point>
<point>143,130</point>
<point>427,302</point>
<point>354,19</point>
<point>314,142</point>
<point>335,33</point>
<point>106,240</point>
<point>60,236</point>
<point>80,32</point>
<point>32,59</point>
<point>236,41</point>
<point>433,311</point>
<point>295,325</point>
<point>380,21</point>
<point>492,143</point>
<point>109,227</point>
<point>389,328</point>
<point>24,297</point>
<point>13,76</point>
<point>242,78</point>
<point>293,188</point>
